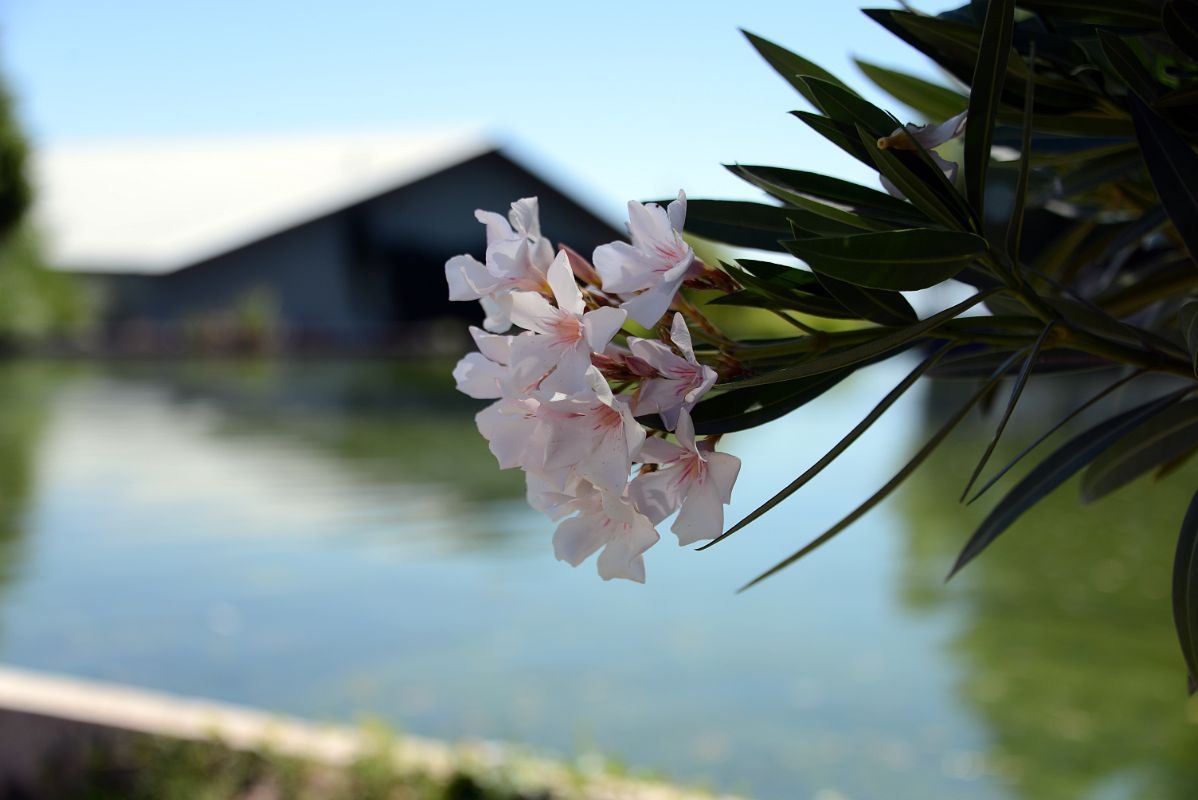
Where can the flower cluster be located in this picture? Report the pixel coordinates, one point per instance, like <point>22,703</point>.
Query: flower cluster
<point>568,383</point>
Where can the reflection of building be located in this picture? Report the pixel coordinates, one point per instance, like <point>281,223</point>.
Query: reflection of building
<point>335,241</point>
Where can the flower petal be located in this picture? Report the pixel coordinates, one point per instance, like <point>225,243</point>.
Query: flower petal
<point>601,325</point>
<point>565,288</point>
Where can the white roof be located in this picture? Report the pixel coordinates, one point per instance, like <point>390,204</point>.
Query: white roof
<point>154,207</point>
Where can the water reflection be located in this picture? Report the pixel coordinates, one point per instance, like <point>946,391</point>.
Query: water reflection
<point>1064,638</point>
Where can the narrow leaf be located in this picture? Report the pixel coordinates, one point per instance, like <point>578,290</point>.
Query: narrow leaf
<point>1168,435</point>
<point>848,108</point>
<point>884,343</point>
<point>792,66</point>
<point>876,305</point>
<point>1016,392</point>
<point>1128,67</point>
<point>852,436</point>
<point>933,101</point>
<point>1185,590</point>
<point>1179,19</point>
<point>846,195</point>
<point>1187,321</point>
<point>985,91</point>
<point>1054,470</point>
<point>926,187</point>
<point>1072,415</point>
<point>880,495</point>
<point>1172,165</point>
<point>738,223</point>
<point>1015,226</point>
<point>840,135</point>
<point>901,260</point>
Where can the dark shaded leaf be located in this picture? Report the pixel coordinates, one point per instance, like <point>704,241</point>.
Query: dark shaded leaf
<point>738,223</point>
<point>1016,391</point>
<point>1185,590</point>
<point>851,197</point>
<point>936,103</point>
<point>901,260</point>
<point>840,135</point>
<point>1128,67</point>
<point>1169,434</point>
<point>1099,12</point>
<point>1054,470</point>
<point>925,186</point>
<point>1187,321</point>
<point>792,66</point>
<point>880,495</point>
<point>1015,224</point>
<point>985,89</point>
<point>1172,166</point>
<point>852,436</point>
<point>813,215</point>
<point>848,108</point>
<point>748,408</point>
<point>1179,19</point>
<point>971,366</point>
<point>886,342</point>
<point>1072,415</point>
<point>876,305</point>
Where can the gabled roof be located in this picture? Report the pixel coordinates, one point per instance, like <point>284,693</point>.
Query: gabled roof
<point>155,207</point>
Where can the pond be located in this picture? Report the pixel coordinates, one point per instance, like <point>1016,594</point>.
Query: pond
<point>333,540</point>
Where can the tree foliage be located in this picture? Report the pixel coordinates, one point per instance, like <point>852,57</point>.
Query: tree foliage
<point>1073,215</point>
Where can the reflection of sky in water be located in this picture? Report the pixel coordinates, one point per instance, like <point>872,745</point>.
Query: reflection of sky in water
<point>195,547</point>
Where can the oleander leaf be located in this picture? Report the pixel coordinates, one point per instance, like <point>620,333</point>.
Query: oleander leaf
<point>902,260</point>
<point>1168,435</point>
<point>1185,590</point>
<point>985,92</point>
<point>1172,165</point>
<point>934,102</point>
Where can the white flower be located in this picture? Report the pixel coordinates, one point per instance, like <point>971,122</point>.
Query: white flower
<point>485,374</point>
<point>514,432</point>
<point>591,435</point>
<point>566,335</point>
<point>693,477</point>
<point>517,259</point>
<point>609,521</point>
<point>653,265</point>
<point>680,381</point>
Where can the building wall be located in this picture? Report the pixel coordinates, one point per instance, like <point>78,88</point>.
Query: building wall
<point>364,271</point>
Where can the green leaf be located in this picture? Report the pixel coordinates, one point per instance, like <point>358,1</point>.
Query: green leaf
<point>902,260</point>
<point>925,186</point>
<point>1187,321</point>
<point>1128,67</point>
<point>1168,435</point>
<point>1016,392</point>
<point>1014,240</point>
<point>816,215</point>
<point>848,108</point>
<point>1072,415</point>
<point>738,223</point>
<point>1179,18</point>
<point>934,102</point>
<point>852,436</point>
<point>886,342</point>
<point>1101,12</point>
<point>852,197</point>
<point>1054,470</point>
<point>842,136</point>
<point>792,66</point>
<point>880,495</point>
<point>1172,166</point>
<point>985,91</point>
<point>1185,590</point>
<point>876,305</point>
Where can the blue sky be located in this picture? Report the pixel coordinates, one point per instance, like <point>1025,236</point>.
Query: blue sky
<point>614,101</point>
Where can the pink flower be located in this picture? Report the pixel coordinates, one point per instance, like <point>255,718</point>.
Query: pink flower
<point>693,478</point>
<point>680,381</point>
<point>648,271</point>
<point>608,521</point>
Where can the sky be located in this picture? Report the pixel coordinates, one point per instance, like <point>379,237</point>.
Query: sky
<point>612,101</point>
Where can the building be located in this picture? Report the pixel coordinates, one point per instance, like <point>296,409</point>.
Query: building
<point>333,242</point>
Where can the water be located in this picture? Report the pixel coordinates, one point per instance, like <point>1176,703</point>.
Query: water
<point>333,540</point>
